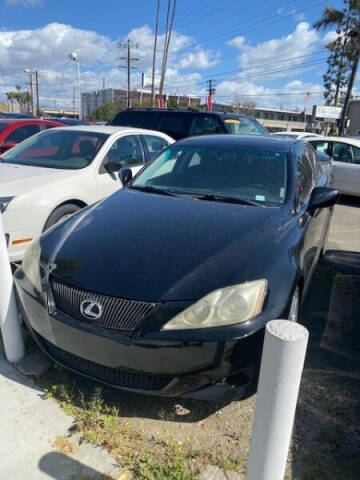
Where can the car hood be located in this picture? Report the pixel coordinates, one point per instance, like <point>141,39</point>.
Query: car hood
<point>155,248</point>
<point>19,179</point>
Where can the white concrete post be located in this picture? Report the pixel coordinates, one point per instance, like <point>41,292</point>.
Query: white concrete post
<point>280,375</point>
<point>9,318</point>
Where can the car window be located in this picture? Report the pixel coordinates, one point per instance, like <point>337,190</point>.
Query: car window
<point>243,126</point>
<point>47,126</point>
<point>135,118</point>
<point>57,148</point>
<point>154,145</point>
<point>126,149</point>
<point>341,153</point>
<point>21,133</point>
<point>206,125</point>
<point>173,124</point>
<point>305,175</point>
<point>3,126</point>
<point>355,154</point>
<point>314,161</point>
<point>320,145</point>
<point>236,172</point>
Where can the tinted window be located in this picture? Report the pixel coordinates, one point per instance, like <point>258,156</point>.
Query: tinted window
<point>173,124</point>
<point>136,119</point>
<point>55,148</point>
<point>244,126</point>
<point>126,149</point>
<point>241,173</point>
<point>341,153</point>
<point>154,145</point>
<point>3,126</point>
<point>355,154</point>
<point>206,125</point>
<point>305,176</point>
<point>21,133</point>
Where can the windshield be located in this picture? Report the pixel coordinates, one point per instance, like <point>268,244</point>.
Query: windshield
<point>3,126</point>
<point>65,149</point>
<point>244,126</point>
<point>236,172</point>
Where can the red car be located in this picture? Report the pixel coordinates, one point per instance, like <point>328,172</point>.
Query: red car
<point>14,131</point>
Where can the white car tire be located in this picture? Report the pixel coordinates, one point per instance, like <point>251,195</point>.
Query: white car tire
<point>60,213</point>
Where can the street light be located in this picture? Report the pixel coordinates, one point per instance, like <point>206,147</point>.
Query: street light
<point>74,57</point>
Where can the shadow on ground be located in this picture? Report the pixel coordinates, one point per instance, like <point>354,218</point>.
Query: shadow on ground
<point>327,425</point>
<point>59,466</point>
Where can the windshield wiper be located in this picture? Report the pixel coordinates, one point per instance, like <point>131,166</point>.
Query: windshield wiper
<point>226,199</point>
<point>151,189</point>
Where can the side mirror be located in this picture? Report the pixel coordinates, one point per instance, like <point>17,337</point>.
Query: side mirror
<point>115,166</point>
<point>322,197</point>
<point>4,147</point>
<point>125,175</point>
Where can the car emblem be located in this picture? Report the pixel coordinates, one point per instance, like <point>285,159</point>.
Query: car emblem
<point>91,309</point>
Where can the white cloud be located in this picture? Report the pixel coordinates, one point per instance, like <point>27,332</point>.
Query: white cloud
<point>200,59</point>
<point>46,49</point>
<point>25,3</point>
<point>329,37</point>
<point>237,42</point>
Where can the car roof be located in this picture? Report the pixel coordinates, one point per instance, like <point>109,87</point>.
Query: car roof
<point>354,141</point>
<point>246,141</point>
<point>25,120</point>
<point>110,129</point>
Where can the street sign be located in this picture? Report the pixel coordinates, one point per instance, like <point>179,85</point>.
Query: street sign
<point>327,113</point>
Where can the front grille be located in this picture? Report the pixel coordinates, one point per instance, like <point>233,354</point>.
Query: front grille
<point>118,314</point>
<point>112,376</point>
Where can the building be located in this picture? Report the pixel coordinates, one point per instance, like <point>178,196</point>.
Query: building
<point>273,119</point>
<point>353,118</point>
<point>139,98</point>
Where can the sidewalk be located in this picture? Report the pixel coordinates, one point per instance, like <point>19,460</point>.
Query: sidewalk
<point>39,449</point>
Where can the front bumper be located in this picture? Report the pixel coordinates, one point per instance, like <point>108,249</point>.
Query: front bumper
<point>221,363</point>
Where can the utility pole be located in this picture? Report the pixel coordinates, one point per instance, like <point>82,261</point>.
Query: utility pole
<point>348,94</point>
<point>74,100</point>
<point>154,54</point>
<point>211,92</point>
<point>31,90</point>
<point>37,93</point>
<point>169,26</point>
<point>128,45</point>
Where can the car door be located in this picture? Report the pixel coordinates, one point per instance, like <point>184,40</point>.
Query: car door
<point>314,224</point>
<point>346,169</point>
<point>127,149</point>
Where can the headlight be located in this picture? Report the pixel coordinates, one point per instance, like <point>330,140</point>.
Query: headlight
<point>31,264</point>
<point>226,306</point>
<point>4,202</point>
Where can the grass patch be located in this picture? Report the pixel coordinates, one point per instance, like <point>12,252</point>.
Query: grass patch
<point>144,456</point>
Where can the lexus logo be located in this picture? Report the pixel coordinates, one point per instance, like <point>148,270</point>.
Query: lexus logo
<point>91,309</point>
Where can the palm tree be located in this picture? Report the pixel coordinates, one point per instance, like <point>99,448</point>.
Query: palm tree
<point>347,24</point>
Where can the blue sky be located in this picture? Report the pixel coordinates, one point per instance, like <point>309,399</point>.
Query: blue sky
<point>264,50</point>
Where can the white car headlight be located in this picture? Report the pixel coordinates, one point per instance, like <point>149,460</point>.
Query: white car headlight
<point>31,264</point>
<point>226,306</point>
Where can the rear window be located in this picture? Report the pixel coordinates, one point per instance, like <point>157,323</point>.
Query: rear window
<point>136,119</point>
<point>3,126</point>
<point>172,123</point>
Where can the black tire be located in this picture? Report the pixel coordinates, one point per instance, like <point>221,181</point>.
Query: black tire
<point>60,213</point>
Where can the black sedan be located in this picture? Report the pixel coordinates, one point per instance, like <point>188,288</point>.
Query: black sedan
<point>165,287</point>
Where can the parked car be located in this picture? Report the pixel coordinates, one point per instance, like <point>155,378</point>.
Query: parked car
<point>55,173</point>
<point>16,115</point>
<point>345,152</point>
<point>294,135</point>
<point>67,121</point>
<point>166,286</point>
<point>13,131</point>
<point>185,123</point>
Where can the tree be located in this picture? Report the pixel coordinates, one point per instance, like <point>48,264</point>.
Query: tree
<point>105,112</point>
<point>23,98</point>
<point>344,52</point>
